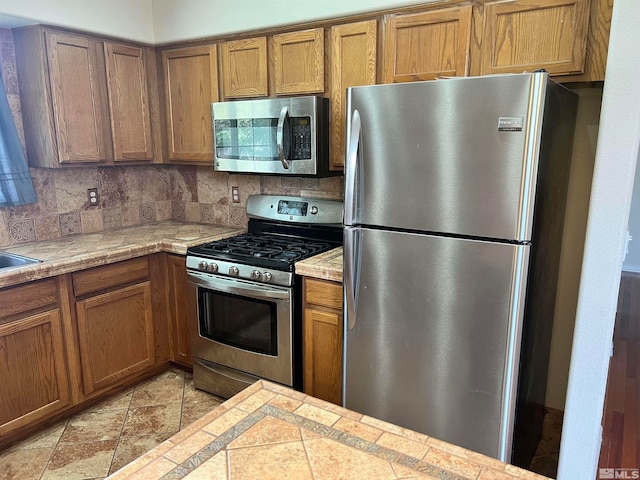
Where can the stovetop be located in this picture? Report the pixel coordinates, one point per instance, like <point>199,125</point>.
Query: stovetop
<point>263,249</point>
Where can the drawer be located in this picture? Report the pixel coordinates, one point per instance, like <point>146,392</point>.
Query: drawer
<point>324,293</point>
<point>28,297</point>
<point>104,278</point>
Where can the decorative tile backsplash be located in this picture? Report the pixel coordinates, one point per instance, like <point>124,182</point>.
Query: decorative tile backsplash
<point>133,195</point>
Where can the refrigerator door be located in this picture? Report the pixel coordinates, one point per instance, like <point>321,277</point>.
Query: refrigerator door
<point>436,322</point>
<point>456,156</point>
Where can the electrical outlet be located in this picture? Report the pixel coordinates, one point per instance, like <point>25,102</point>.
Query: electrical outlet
<point>235,194</point>
<point>93,197</point>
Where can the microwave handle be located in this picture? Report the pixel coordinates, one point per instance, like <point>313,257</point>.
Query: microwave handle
<point>284,113</point>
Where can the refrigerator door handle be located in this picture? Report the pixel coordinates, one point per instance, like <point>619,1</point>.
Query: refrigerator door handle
<point>351,273</point>
<point>284,114</point>
<point>352,167</point>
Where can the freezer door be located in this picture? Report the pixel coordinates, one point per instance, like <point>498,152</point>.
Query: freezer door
<point>431,339</point>
<point>457,156</point>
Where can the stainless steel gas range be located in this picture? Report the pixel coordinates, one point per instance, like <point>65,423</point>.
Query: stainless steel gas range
<point>249,301</point>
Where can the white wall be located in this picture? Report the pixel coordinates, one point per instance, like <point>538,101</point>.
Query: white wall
<point>632,260</point>
<point>128,19</point>
<point>617,153</point>
<point>181,20</point>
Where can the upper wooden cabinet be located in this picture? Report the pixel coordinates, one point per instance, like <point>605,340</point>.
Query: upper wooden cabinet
<point>191,85</point>
<point>244,68</point>
<point>128,102</point>
<point>426,45</point>
<point>353,53</point>
<point>526,35</point>
<point>298,62</point>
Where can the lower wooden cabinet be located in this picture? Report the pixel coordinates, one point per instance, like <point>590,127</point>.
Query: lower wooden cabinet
<point>179,309</point>
<point>33,362</point>
<point>323,338</point>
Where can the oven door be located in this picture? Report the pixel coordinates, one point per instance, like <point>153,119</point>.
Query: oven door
<point>243,325</point>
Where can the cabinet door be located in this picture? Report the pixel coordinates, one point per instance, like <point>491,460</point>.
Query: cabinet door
<point>179,309</point>
<point>78,95</point>
<point>191,85</point>
<point>33,370</point>
<point>323,339</point>
<point>244,68</point>
<point>526,35</point>
<point>115,333</point>
<point>426,45</point>
<point>128,102</point>
<point>353,51</point>
<point>298,62</point>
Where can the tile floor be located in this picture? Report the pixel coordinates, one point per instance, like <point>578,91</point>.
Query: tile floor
<point>103,438</point>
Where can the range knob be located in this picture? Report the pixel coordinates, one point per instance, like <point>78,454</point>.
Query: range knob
<point>212,267</point>
<point>202,266</point>
<point>266,276</point>
<point>233,271</point>
<point>255,275</point>
<point>314,209</point>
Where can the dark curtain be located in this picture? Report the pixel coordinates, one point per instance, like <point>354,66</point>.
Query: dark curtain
<point>16,187</point>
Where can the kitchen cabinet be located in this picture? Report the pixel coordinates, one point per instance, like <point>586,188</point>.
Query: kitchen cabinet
<point>84,100</point>
<point>426,45</point>
<point>128,102</point>
<point>298,62</point>
<point>244,68</point>
<point>191,85</point>
<point>115,322</point>
<point>180,310</point>
<point>322,339</point>
<point>526,35</point>
<point>35,382</point>
<point>354,62</point>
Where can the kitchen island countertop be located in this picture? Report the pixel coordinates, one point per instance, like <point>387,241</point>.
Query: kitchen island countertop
<point>269,432</point>
<point>68,254</point>
<point>326,266</point>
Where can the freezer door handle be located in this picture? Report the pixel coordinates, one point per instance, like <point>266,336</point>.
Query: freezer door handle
<point>351,273</point>
<point>352,167</point>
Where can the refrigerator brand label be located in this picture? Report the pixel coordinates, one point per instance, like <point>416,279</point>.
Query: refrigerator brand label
<point>510,124</point>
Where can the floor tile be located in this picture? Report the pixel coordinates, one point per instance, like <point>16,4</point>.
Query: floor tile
<point>119,401</point>
<point>213,469</point>
<point>130,448</point>
<point>77,461</point>
<point>192,411</point>
<point>94,426</point>
<point>24,464</point>
<point>161,390</point>
<point>45,438</point>
<point>153,419</point>
<point>266,431</point>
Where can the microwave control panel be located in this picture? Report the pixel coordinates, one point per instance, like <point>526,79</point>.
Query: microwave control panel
<point>301,138</point>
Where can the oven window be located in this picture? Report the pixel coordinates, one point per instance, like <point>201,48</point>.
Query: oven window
<point>240,322</point>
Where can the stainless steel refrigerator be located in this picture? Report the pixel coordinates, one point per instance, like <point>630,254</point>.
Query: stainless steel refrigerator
<point>454,206</point>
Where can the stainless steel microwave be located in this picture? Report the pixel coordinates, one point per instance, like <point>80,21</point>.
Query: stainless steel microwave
<point>288,136</point>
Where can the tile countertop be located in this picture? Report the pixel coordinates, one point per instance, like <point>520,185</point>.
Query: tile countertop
<point>77,252</point>
<point>326,266</point>
<point>269,432</point>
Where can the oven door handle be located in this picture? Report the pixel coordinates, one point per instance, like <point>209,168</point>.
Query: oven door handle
<point>232,286</point>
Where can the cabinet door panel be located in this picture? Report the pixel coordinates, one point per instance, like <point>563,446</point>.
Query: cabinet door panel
<point>78,97</point>
<point>426,45</point>
<point>244,68</point>
<point>33,370</point>
<point>299,62</point>
<point>179,308</point>
<point>526,35</point>
<point>129,102</point>
<point>116,335</point>
<point>353,50</point>
<point>191,84</point>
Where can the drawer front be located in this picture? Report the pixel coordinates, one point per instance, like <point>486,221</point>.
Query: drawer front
<point>324,293</point>
<point>103,278</point>
<point>28,297</point>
